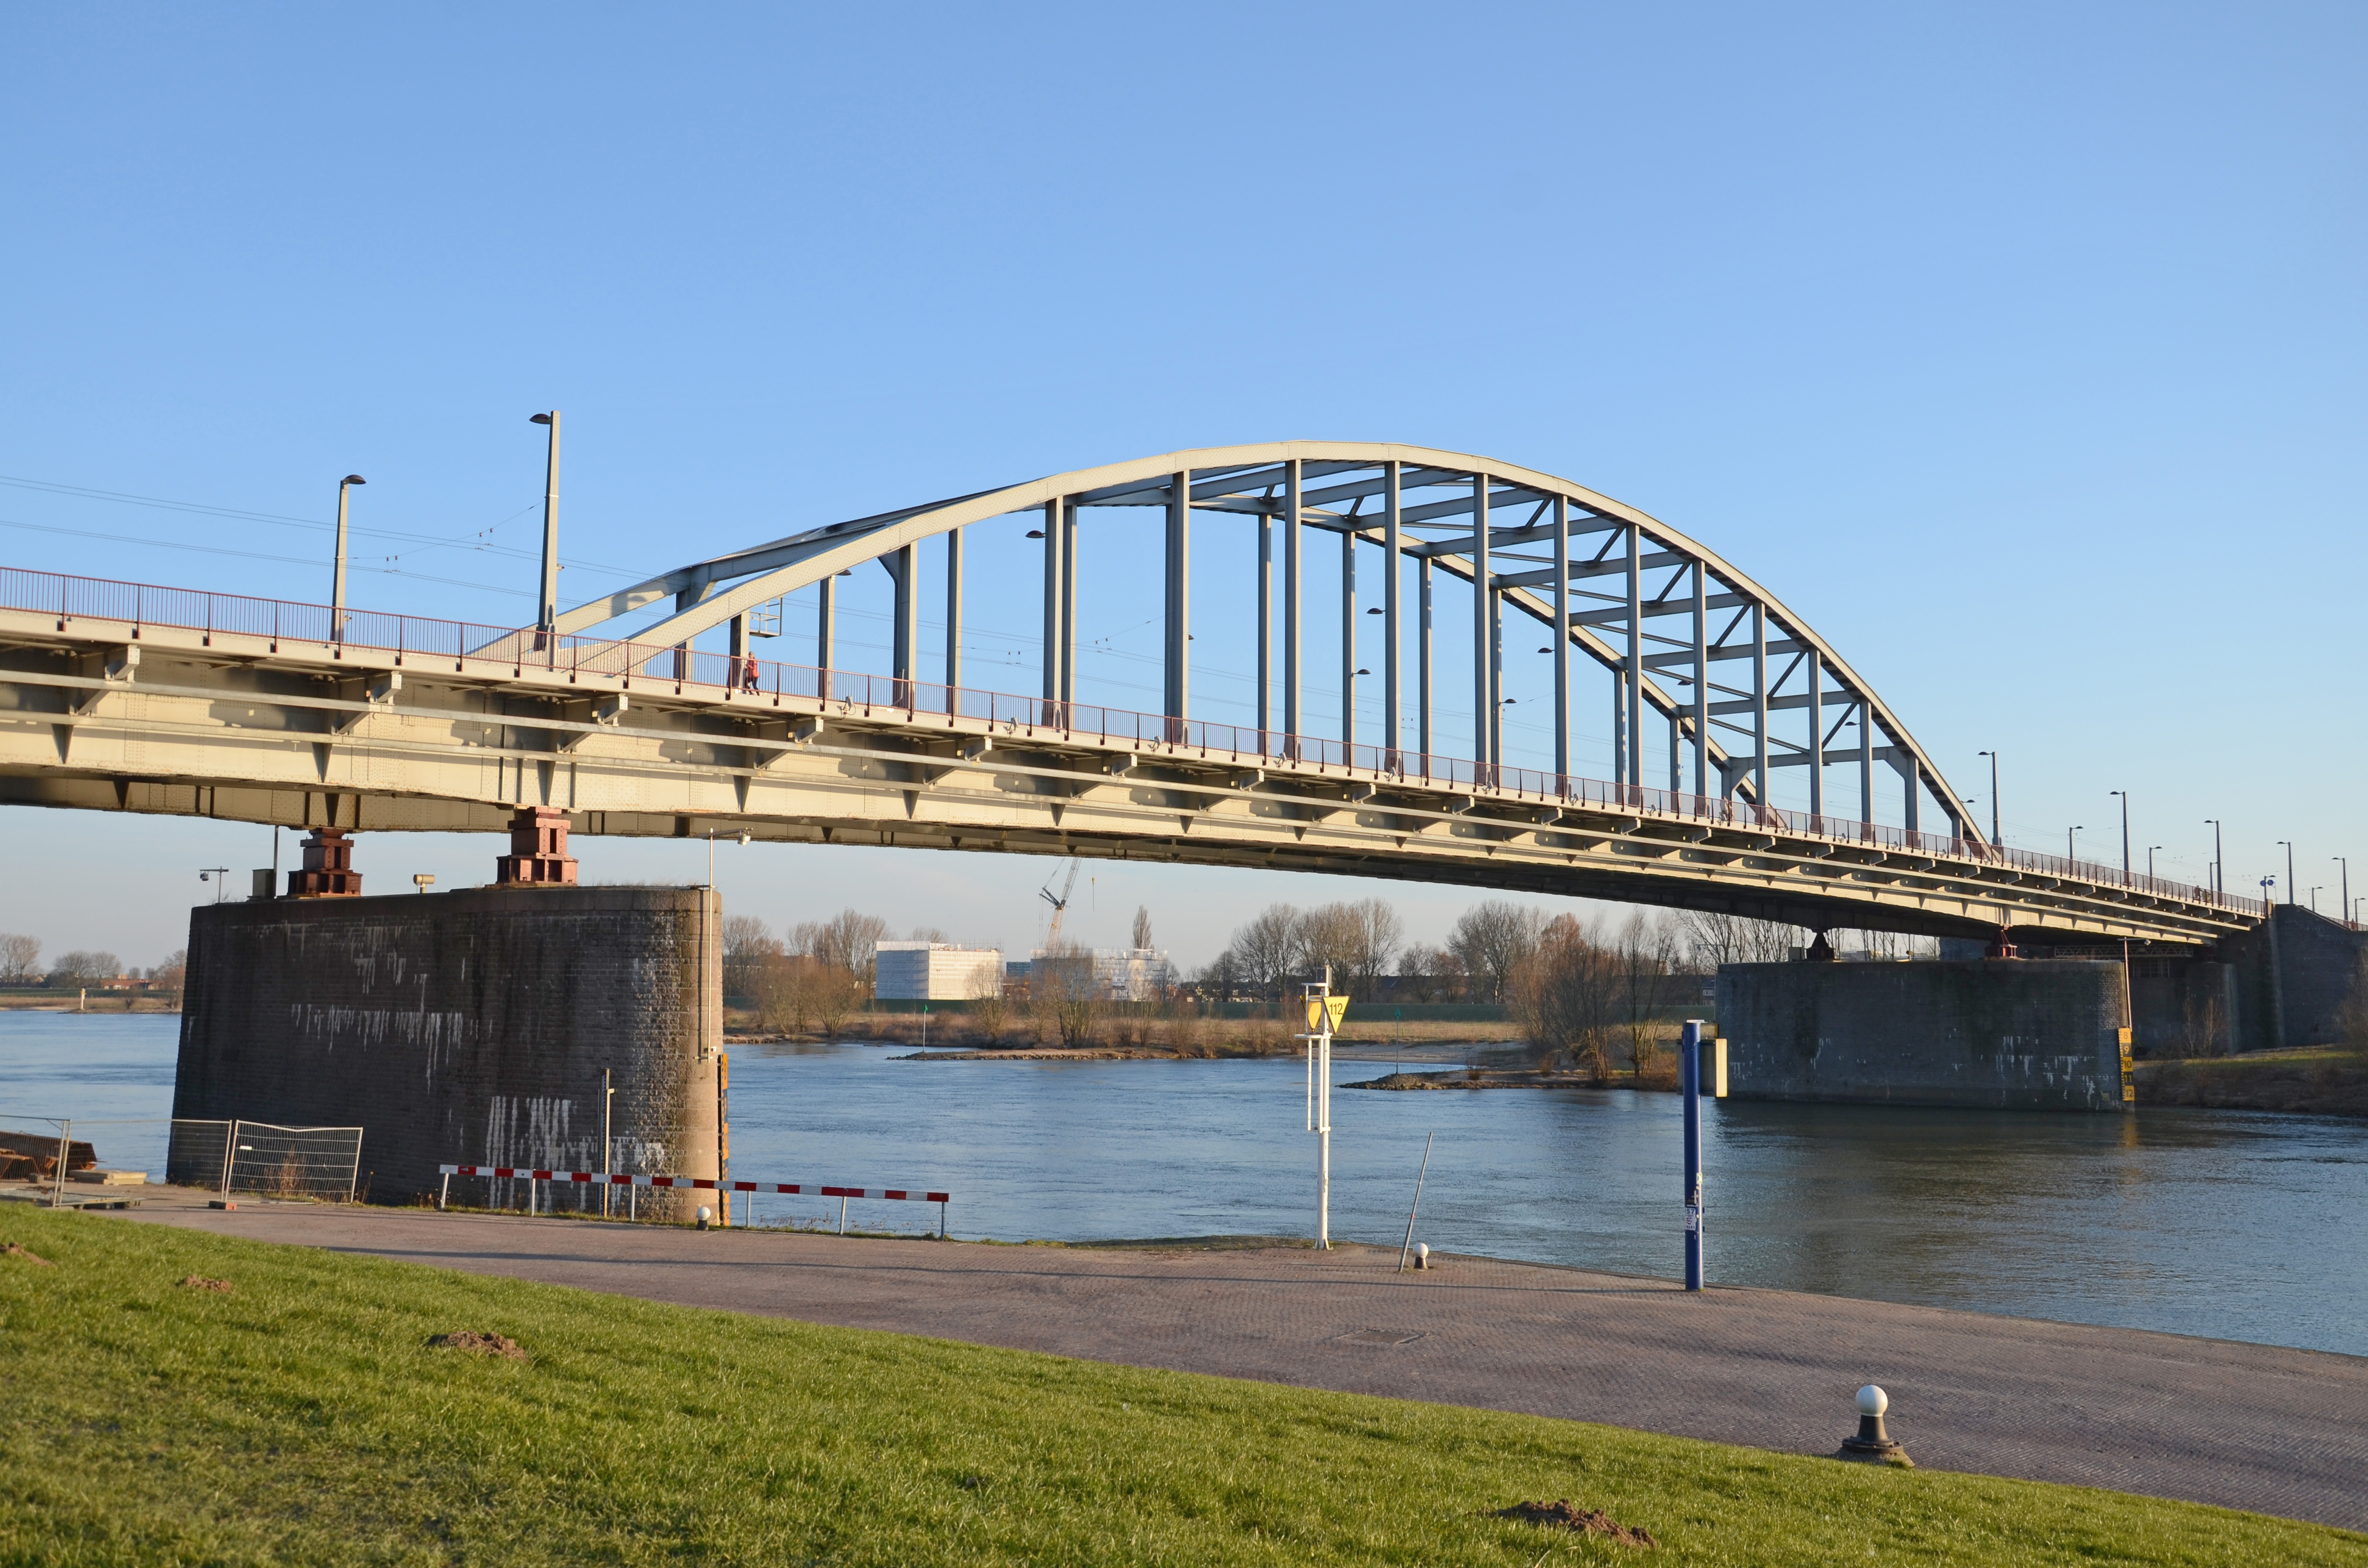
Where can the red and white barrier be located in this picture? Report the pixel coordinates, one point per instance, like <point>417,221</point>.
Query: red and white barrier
<point>619,1178</point>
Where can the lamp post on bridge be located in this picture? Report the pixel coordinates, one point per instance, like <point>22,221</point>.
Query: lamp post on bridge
<point>337,577</point>
<point>2070,859</point>
<point>2124,794</point>
<point>2150,850</point>
<point>2345,864</point>
<point>1996,842</point>
<point>2219,872</point>
<point>2290,876</point>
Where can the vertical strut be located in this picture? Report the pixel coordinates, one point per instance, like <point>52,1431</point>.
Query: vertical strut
<point>1562,636</point>
<point>1265,621</point>
<point>1634,665</point>
<point>1053,577</point>
<point>953,614</point>
<point>905,569</point>
<point>1817,735</point>
<point>1349,635</point>
<point>1179,601</point>
<point>1422,653</point>
<point>1482,712</point>
<point>1393,732</point>
<point>1069,600</point>
<point>1291,505</point>
<point>826,631</point>
<point>1701,681</point>
<point>1759,705</point>
<point>1865,761</point>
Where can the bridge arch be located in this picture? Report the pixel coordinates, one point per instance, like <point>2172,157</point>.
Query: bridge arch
<point>1457,515</point>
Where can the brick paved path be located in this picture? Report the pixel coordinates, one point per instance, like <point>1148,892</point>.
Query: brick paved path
<point>2245,1425</point>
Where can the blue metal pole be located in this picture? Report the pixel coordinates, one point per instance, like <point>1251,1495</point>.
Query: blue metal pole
<point>1689,1069</point>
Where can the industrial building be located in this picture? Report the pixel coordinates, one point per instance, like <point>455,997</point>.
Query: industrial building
<point>935,972</point>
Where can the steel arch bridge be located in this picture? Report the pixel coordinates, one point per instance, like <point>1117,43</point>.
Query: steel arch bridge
<point>365,721</point>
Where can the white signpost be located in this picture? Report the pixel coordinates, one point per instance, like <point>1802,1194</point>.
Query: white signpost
<point>1324,1011</point>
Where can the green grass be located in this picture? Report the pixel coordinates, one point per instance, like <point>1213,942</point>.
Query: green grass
<point>303,1419</point>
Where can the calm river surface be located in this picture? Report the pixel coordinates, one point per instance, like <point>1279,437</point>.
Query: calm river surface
<point>2223,1224</point>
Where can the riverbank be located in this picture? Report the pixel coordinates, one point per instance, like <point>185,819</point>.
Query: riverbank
<point>787,1427</point>
<point>2321,1081</point>
<point>1660,1076</point>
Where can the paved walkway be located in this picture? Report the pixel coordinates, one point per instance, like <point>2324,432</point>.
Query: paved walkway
<point>2245,1425</point>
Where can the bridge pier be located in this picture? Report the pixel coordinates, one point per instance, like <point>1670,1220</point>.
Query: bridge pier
<point>481,1026</point>
<point>2005,1035</point>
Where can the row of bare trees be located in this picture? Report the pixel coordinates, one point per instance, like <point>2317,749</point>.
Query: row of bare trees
<point>815,977</point>
<point>20,964</point>
<point>1600,994</point>
<point>1281,944</point>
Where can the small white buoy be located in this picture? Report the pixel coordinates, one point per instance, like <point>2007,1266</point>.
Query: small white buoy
<point>1422,1255</point>
<point>705,1214</point>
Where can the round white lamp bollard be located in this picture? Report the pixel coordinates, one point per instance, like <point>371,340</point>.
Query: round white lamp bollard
<point>1422,1255</point>
<point>1873,1445</point>
<point>705,1214</point>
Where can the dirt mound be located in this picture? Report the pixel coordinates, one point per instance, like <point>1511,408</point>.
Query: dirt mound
<point>199,1282</point>
<point>17,1249</point>
<point>1586,1521</point>
<point>471,1340</point>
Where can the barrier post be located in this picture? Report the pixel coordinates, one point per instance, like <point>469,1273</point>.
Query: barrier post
<point>58,1176</point>
<point>1690,1092</point>
<point>444,1198</point>
<point>941,1220</point>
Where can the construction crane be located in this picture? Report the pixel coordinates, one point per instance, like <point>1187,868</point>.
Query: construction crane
<point>1060,905</point>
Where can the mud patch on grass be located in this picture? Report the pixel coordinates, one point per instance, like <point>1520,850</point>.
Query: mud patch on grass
<point>18,1249</point>
<point>199,1282</point>
<point>1562,1515</point>
<point>477,1344</point>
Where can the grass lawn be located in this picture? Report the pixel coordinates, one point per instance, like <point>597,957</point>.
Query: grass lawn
<point>302,1418</point>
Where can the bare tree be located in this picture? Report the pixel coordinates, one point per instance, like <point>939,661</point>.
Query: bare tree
<point>1711,939</point>
<point>847,940</point>
<point>19,959</point>
<point>1064,994</point>
<point>1648,955</point>
<point>1266,949</point>
<point>988,1014</point>
<point>747,942</point>
<point>1430,974</point>
<point>930,934</point>
<point>173,974</point>
<point>1491,939</point>
<point>80,968</point>
<point>1565,993</point>
<point>1142,928</point>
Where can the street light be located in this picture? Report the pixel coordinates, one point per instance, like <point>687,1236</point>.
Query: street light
<point>2150,850</point>
<point>2219,872</point>
<point>2069,856</point>
<point>2290,880</point>
<point>214,874</point>
<point>2314,899</point>
<point>338,577</point>
<point>1996,842</point>
<point>2345,864</point>
<point>2124,794</point>
<point>546,619</point>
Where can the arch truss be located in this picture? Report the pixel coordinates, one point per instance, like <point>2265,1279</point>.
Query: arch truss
<point>1704,660</point>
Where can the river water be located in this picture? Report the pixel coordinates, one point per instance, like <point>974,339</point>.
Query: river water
<point>2228,1224</point>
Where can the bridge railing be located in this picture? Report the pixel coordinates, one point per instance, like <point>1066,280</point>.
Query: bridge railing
<point>72,599</point>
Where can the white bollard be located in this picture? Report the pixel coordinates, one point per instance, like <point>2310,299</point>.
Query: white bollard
<point>1422,1255</point>
<point>705,1214</point>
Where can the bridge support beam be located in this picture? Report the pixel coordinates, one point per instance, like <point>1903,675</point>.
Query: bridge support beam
<point>1393,730</point>
<point>1293,500</point>
<point>1265,623</point>
<point>1178,609</point>
<point>826,627</point>
<point>1484,707</point>
<point>1701,681</point>
<point>1562,635</point>
<point>1422,652</point>
<point>953,609</point>
<point>1349,636</point>
<point>1053,578</point>
<point>1634,674</point>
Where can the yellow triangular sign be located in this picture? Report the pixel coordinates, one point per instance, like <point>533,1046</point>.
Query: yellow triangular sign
<point>1314,1015</point>
<point>1339,1005</point>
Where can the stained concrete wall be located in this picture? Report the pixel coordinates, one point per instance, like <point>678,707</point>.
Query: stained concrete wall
<point>2295,977</point>
<point>466,1028</point>
<point>2183,1007</point>
<point>2003,1033</point>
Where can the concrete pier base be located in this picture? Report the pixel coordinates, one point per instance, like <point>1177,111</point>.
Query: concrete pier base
<point>468,1027</point>
<point>2002,1033</point>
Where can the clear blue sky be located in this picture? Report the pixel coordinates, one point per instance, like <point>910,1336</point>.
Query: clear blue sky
<point>2020,349</point>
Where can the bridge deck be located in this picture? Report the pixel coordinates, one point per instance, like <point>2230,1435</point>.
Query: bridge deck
<point>125,710</point>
